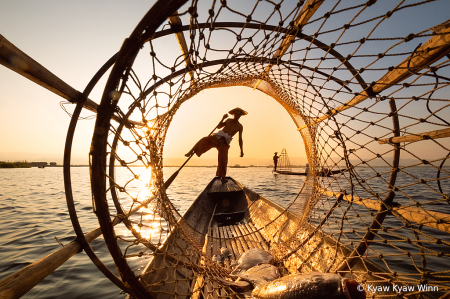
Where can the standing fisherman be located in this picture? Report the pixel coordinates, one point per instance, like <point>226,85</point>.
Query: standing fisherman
<point>221,140</point>
<point>275,161</point>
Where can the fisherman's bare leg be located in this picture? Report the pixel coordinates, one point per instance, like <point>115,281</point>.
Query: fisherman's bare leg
<point>222,161</point>
<point>206,147</point>
<point>192,151</point>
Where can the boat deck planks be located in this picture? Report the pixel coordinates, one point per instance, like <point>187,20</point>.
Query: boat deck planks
<point>232,234</point>
<point>264,225</point>
<point>229,244</point>
<point>218,187</point>
<point>258,235</point>
<point>251,238</point>
<point>212,288</point>
<point>240,238</point>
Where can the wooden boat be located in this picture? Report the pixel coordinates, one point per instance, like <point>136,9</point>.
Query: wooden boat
<point>239,218</point>
<point>284,167</point>
<point>232,216</point>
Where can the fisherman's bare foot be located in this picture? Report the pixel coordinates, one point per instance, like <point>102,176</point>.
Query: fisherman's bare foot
<point>224,180</point>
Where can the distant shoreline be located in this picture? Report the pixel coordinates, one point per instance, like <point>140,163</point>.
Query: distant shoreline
<point>15,165</point>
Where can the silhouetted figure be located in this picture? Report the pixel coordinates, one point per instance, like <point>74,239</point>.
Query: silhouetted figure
<point>275,161</point>
<point>221,140</point>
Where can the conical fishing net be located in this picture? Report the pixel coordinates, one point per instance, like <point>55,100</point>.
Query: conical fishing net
<point>366,84</point>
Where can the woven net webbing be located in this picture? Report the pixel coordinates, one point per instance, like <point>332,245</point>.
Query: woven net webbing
<point>367,85</point>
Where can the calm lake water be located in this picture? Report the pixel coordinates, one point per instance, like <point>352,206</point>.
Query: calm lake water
<point>33,211</point>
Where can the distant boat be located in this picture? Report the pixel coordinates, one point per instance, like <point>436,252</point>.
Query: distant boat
<point>237,166</point>
<point>325,172</point>
<point>41,166</point>
<point>284,167</point>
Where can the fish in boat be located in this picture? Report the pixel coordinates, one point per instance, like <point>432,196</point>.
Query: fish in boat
<point>224,256</point>
<point>260,274</point>
<point>309,286</point>
<point>251,258</point>
<point>218,208</point>
<point>217,258</point>
<point>255,276</point>
<point>265,278</point>
<point>225,253</point>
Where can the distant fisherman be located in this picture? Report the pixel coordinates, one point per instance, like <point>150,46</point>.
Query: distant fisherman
<point>275,161</point>
<point>221,140</point>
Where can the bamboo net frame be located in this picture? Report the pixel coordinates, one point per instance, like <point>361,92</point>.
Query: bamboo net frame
<point>315,58</point>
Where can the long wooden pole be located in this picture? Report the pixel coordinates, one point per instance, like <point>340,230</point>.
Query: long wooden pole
<point>434,49</point>
<point>431,219</point>
<point>176,25</point>
<point>436,220</point>
<point>200,278</point>
<point>417,136</point>
<point>19,62</point>
<point>19,283</point>
<point>307,11</point>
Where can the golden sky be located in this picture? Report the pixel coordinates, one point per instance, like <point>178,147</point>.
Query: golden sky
<point>73,40</point>
<point>267,127</point>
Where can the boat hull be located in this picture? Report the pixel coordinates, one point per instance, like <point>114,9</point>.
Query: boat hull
<point>256,222</point>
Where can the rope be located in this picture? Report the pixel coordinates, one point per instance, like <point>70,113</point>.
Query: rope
<point>333,71</point>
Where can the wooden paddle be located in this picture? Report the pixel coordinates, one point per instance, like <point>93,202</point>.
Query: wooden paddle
<point>175,174</point>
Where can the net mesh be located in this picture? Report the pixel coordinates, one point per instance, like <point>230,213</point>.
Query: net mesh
<point>367,87</point>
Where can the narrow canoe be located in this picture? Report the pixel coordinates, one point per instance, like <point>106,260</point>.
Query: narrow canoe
<point>233,216</point>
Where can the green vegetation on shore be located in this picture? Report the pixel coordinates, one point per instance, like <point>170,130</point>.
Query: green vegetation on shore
<point>22,164</point>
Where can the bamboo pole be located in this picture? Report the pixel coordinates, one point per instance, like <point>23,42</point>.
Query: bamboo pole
<point>19,283</point>
<point>434,49</point>
<point>199,282</point>
<point>307,11</point>
<point>431,219</point>
<point>176,25</point>
<point>19,62</point>
<point>417,137</point>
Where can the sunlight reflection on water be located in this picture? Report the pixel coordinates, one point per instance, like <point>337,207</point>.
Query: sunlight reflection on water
<point>32,203</point>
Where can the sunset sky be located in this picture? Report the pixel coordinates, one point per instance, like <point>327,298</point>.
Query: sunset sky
<point>73,40</point>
